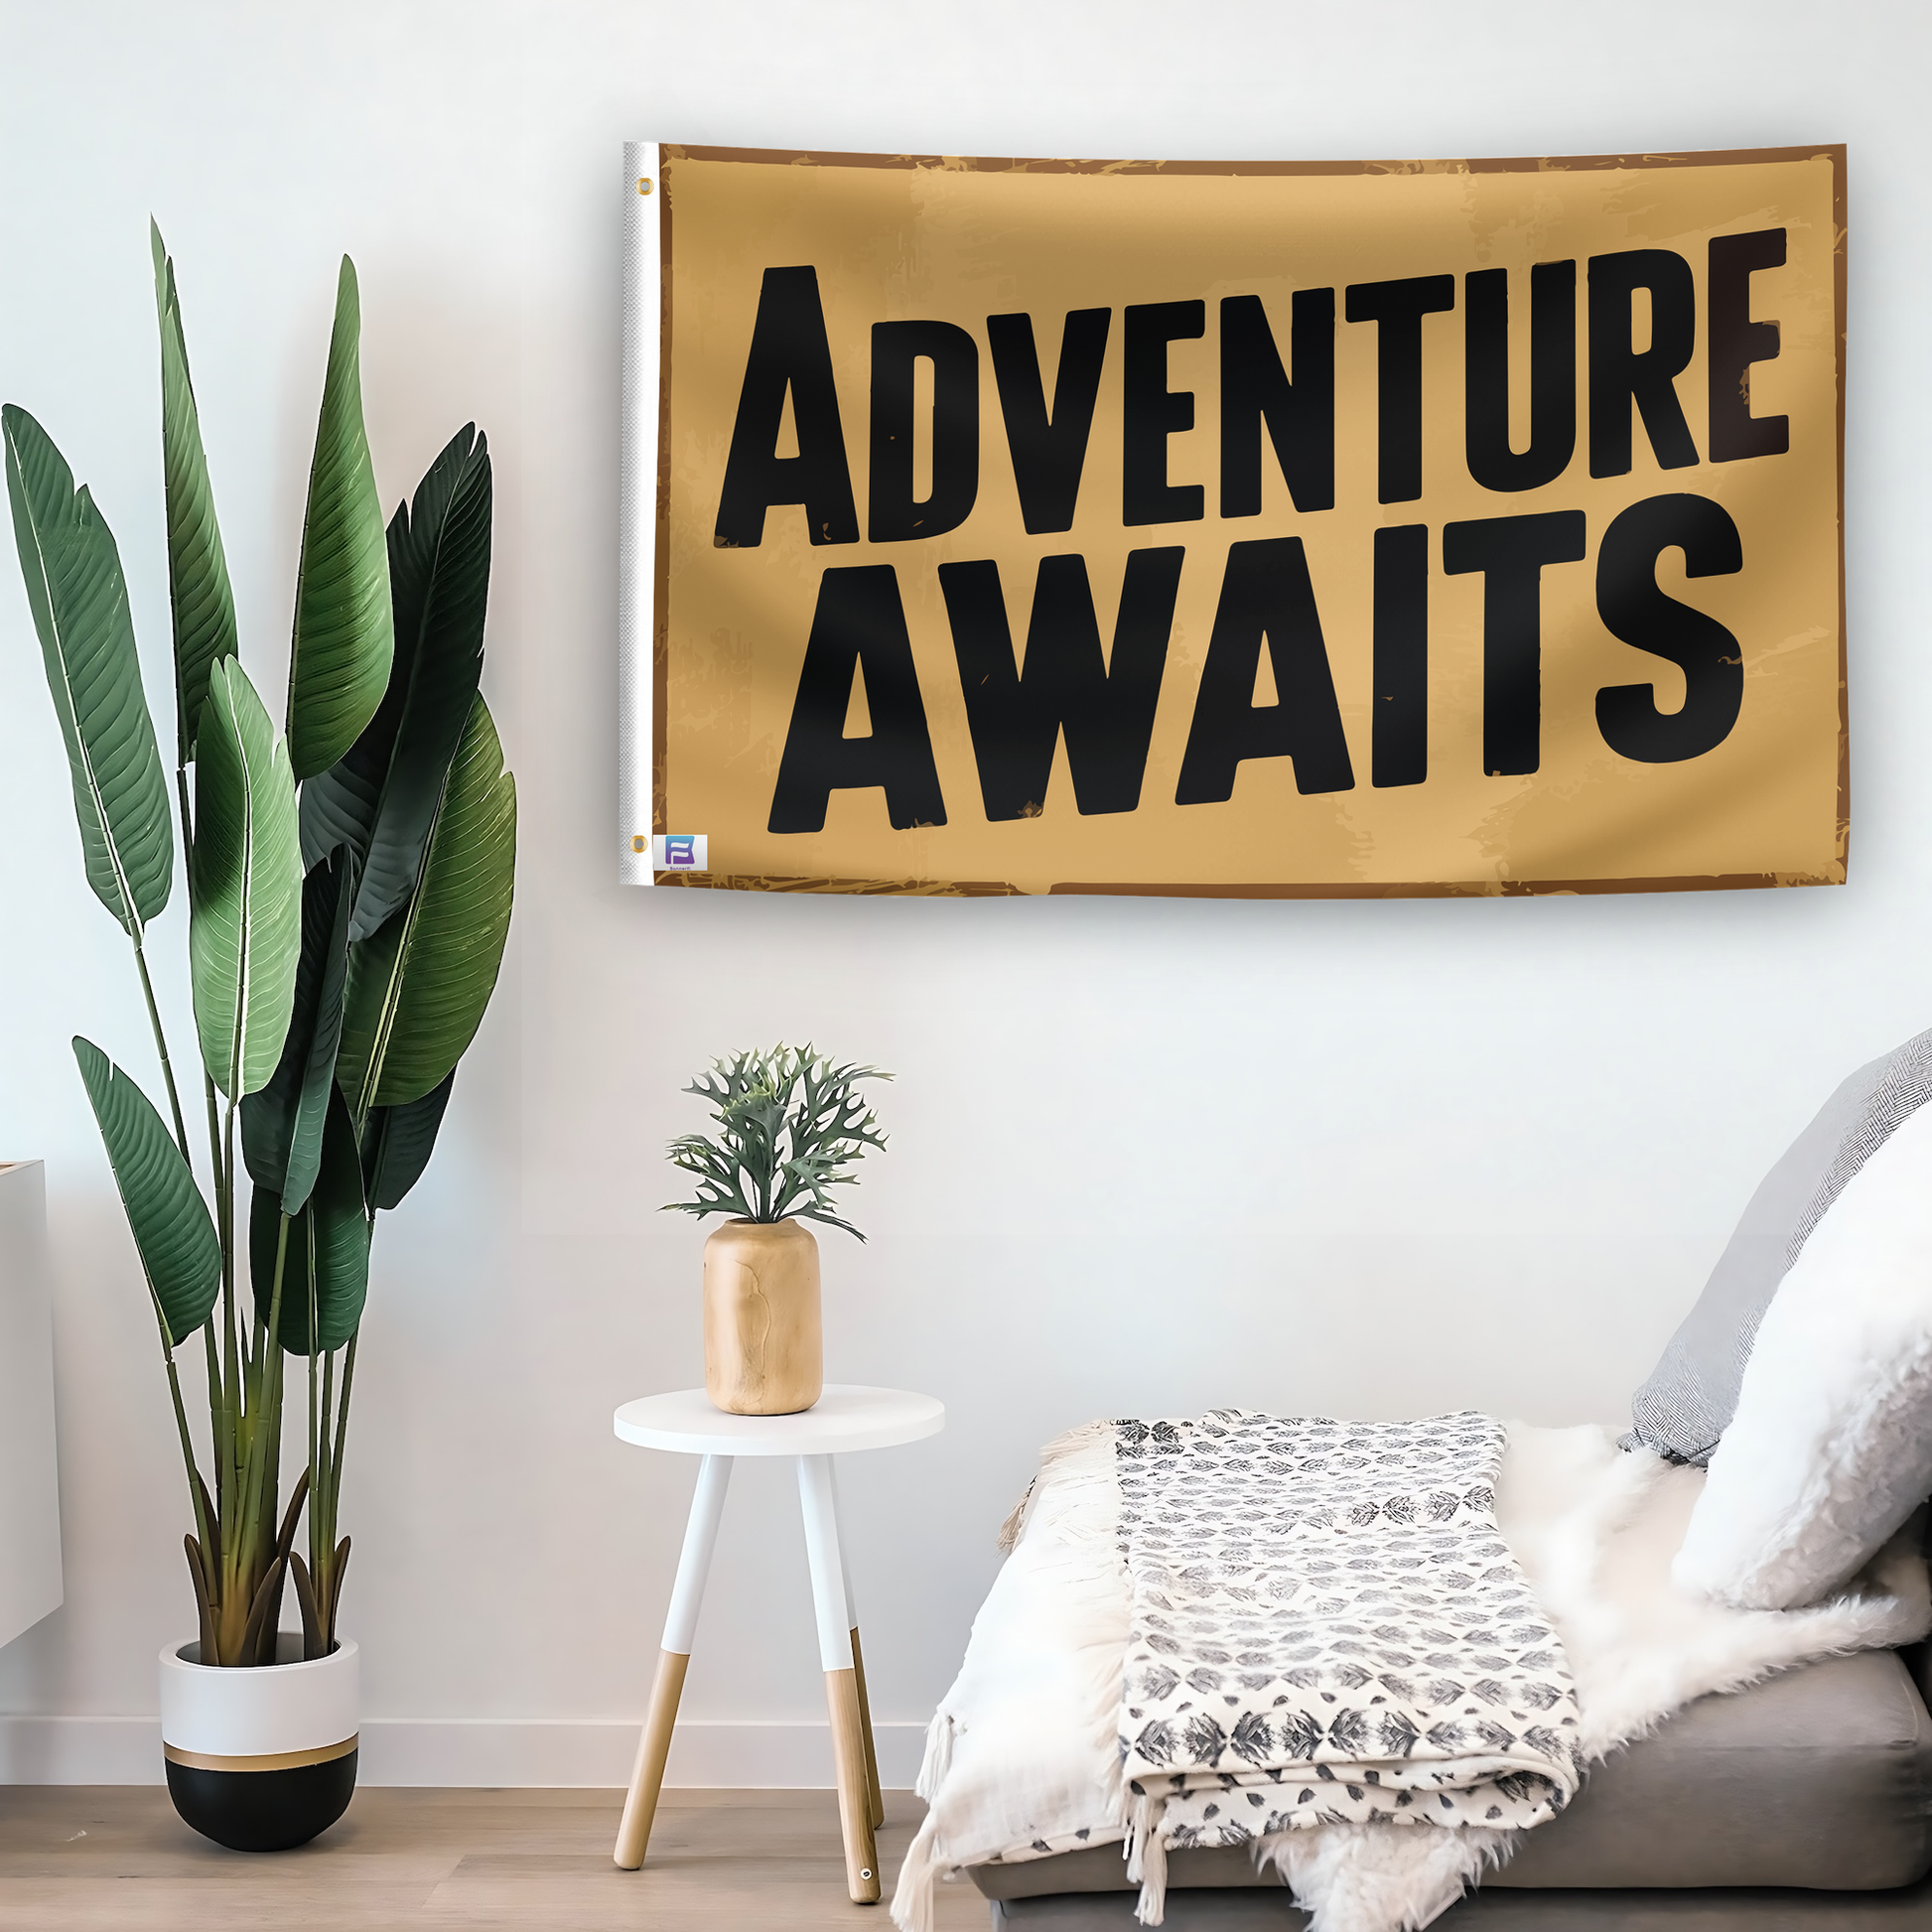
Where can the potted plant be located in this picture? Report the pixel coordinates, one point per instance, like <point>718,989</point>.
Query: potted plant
<point>790,1127</point>
<point>350,884</point>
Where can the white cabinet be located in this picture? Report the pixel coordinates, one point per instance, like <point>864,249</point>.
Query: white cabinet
<point>29,1499</point>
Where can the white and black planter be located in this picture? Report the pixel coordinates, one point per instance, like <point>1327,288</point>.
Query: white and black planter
<point>260,1760</point>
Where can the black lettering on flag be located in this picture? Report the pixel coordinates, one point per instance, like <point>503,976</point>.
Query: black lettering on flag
<point>1637,611</point>
<point>1398,735</point>
<point>1151,412</point>
<point>788,352</point>
<point>1049,452</point>
<point>1493,462</point>
<point>1299,414</point>
<point>1105,706</point>
<point>893,513</point>
<point>858,622</point>
<point>1265,594</point>
<point>1511,551</point>
<point>1620,374</point>
<point>1398,308</point>
<point>1736,342</point>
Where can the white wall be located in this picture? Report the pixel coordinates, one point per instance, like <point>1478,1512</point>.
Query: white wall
<point>1365,1158</point>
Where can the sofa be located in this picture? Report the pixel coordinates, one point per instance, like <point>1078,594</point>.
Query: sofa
<point>1801,1804</point>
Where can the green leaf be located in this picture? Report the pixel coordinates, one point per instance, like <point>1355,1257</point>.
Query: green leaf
<point>397,1144</point>
<point>381,796</point>
<point>345,634</point>
<point>197,570</point>
<point>417,990</point>
<point>176,1239</point>
<point>245,934</point>
<point>326,1260</point>
<point>78,599</point>
<point>281,1126</point>
<point>792,1127</point>
<point>338,806</point>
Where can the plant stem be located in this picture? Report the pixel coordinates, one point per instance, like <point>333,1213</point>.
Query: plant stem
<point>213,1136</point>
<point>244,1565</point>
<point>188,1452</point>
<point>221,1400</point>
<point>161,1048</point>
<point>231,1350</point>
<point>324,1448</point>
<point>322,1519</point>
<point>233,1417</point>
<point>195,1489</point>
<point>216,1417</point>
<point>180,1426</point>
<point>335,1488</point>
<point>317,1435</point>
<point>321,1506</point>
<point>341,1415</point>
<point>266,1362</point>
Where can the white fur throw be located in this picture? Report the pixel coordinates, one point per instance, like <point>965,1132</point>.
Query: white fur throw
<point>1831,1447</point>
<point>1023,1757</point>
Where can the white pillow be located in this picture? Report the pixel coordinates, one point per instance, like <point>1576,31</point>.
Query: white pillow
<point>1831,1447</point>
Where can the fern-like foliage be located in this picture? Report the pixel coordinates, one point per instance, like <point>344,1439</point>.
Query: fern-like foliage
<point>791,1126</point>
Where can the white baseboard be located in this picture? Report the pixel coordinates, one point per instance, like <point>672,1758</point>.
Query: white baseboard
<point>481,1752</point>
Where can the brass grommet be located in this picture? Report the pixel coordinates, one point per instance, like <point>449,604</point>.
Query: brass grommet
<point>643,184</point>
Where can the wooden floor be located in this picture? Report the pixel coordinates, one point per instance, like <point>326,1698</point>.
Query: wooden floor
<point>112,1858</point>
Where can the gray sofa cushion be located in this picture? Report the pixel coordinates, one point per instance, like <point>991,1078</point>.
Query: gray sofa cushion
<point>1691,1394</point>
<point>1820,1778</point>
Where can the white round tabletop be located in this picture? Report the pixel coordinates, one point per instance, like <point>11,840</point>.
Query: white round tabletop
<point>845,1417</point>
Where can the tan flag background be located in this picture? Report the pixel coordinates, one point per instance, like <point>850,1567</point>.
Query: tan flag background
<point>1234,528</point>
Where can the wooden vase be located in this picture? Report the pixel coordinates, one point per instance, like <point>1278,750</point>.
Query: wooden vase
<point>763,1345</point>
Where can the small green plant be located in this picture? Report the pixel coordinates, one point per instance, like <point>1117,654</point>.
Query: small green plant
<point>791,1126</point>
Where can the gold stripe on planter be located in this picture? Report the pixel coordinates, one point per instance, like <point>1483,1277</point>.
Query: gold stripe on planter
<point>266,1761</point>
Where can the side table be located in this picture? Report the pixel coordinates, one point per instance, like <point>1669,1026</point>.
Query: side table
<point>843,1418</point>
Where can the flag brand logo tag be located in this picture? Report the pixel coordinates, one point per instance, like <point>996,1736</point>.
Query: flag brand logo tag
<point>678,852</point>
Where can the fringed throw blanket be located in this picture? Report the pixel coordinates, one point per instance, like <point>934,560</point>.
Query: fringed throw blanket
<point>1326,1627</point>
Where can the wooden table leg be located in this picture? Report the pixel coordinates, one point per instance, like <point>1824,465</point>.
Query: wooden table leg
<point>680,1625</point>
<point>820,1511</point>
<point>875,1796</point>
<point>878,1798</point>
